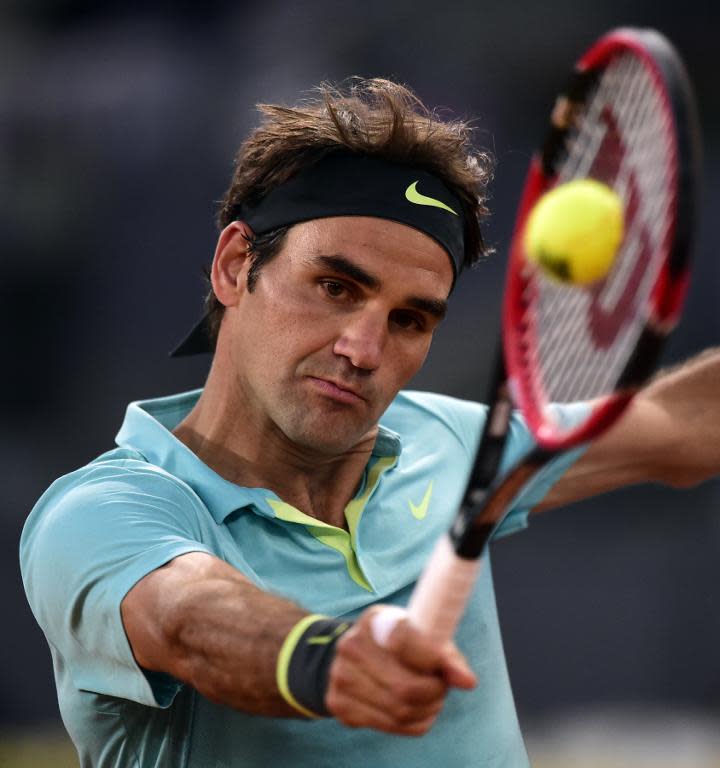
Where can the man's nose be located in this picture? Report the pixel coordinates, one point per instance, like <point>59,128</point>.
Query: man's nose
<point>362,340</point>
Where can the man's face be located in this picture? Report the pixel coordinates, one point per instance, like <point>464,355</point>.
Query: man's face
<point>337,324</point>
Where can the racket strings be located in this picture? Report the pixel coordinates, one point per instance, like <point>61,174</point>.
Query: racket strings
<point>585,335</point>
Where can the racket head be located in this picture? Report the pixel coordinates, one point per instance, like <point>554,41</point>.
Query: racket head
<point>628,119</point>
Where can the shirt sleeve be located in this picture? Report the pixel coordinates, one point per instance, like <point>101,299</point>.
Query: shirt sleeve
<point>465,419</point>
<point>88,541</point>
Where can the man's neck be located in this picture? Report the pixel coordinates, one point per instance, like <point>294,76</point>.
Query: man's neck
<point>242,452</point>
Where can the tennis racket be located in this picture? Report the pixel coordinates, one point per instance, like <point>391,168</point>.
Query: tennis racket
<point>627,119</point>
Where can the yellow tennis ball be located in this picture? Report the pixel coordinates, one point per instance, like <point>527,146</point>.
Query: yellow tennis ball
<point>574,231</point>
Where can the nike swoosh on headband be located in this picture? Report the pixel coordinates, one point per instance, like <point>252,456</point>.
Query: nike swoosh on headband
<point>418,198</point>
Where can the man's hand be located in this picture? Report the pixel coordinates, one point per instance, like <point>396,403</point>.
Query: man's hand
<point>399,688</point>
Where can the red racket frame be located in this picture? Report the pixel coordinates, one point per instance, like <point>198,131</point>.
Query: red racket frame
<point>666,297</point>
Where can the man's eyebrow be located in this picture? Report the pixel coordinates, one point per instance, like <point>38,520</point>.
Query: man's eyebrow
<point>346,267</point>
<point>435,307</point>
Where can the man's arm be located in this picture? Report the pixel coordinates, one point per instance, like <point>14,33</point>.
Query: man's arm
<point>670,434</point>
<point>201,621</point>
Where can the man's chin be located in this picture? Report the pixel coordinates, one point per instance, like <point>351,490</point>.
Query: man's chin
<point>329,438</point>
<point>326,444</point>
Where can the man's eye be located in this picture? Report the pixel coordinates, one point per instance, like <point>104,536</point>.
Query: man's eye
<point>334,289</point>
<point>407,321</point>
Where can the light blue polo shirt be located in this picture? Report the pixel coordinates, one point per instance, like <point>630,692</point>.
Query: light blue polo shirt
<point>97,531</point>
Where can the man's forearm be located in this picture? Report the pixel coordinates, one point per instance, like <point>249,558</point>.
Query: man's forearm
<point>201,621</point>
<point>670,434</point>
<point>688,430</point>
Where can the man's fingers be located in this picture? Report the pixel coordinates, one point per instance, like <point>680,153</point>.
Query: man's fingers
<point>389,686</point>
<point>456,670</point>
<point>424,654</point>
<point>414,648</point>
<point>359,714</point>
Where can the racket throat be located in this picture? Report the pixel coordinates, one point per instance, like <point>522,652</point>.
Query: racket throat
<point>485,508</point>
<point>494,436</point>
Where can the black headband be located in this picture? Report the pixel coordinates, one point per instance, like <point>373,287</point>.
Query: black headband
<point>354,185</point>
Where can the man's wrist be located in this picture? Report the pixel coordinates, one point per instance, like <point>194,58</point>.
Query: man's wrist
<point>303,664</point>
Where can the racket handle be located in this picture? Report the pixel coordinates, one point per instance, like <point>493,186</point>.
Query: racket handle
<point>439,598</point>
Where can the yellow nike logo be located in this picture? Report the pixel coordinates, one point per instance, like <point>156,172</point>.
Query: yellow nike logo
<point>416,197</point>
<point>419,511</point>
<point>325,639</point>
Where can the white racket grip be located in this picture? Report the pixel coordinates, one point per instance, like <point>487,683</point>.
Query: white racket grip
<point>439,598</point>
<point>384,622</point>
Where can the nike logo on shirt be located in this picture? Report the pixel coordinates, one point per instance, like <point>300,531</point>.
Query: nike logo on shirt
<point>420,510</point>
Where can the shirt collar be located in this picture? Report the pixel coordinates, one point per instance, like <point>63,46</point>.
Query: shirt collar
<point>147,429</point>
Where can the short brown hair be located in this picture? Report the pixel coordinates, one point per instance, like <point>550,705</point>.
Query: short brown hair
<point>374,117</point>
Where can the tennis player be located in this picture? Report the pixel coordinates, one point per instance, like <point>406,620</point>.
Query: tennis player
<point>208,588</point>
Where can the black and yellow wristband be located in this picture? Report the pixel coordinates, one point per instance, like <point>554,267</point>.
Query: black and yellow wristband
<point>303,664</point>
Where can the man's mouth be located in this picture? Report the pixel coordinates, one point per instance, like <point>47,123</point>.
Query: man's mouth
<point>340,391</point>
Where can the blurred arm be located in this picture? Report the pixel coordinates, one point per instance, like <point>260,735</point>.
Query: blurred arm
<point>670,434</point>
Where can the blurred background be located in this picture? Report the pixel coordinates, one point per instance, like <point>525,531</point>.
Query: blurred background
<point>118,123</point>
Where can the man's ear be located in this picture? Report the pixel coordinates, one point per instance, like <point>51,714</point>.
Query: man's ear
<point>231,263</point>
